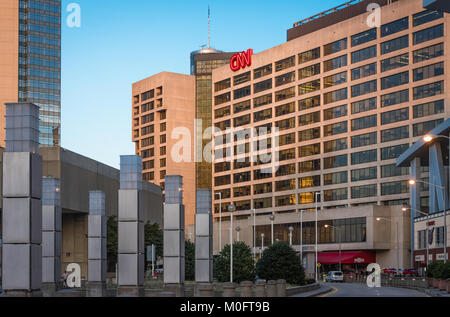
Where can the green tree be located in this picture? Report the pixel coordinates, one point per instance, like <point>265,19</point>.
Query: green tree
<point>154,235</point>
<point>446,271</point>
<point>436,269</point>
<point>189,261</point>
<point>280,261</point>
<point>111,243</point>
<point>243,264</point>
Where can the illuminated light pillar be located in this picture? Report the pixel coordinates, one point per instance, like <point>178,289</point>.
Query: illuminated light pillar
<point>22,206</point>
<point>51,236</point>
<point>131,228</point>
<point>97,253</point>
<point>174,248</point>
<point>203,238</point>
<point>415,202</point>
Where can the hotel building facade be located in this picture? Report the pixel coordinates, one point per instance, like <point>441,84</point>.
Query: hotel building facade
<point>30,62</point>
<point>347,98</point>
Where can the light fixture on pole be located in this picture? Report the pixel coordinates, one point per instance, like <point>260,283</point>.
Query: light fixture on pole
<point>262,242</point>
<point>220,220</point>
<point>413,182</point>
<point>291,230</point>
<point>238,229</point>
<point>406,208</point>
<point>272,219</point>
<point>340,243</point>
<point>231,209</point>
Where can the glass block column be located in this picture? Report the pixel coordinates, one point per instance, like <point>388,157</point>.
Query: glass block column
<point>131,228</point>
<point>203,238</point>
<point>22,206</point>
<point>96,286</point>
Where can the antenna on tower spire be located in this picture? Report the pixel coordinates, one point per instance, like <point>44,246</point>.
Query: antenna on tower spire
<point>209,26</point>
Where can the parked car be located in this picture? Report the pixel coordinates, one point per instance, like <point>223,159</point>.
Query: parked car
<point>335,276</point>
<point>390,271</point>
<point>409,272</point>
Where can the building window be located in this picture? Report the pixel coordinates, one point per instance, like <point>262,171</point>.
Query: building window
<point>335,161</point>
<point>309,55</point>
<point>335,194</point>
<point>309,71</point>
<point>260,189</point>
<point>287,139</point>
<point>395,134</point>
<point>162,151</point>
<point>335,63</point>
<point>335,145</point>
<point>364,54</point>
<point>395,98</point>
<point>222,167</point>
<point>241,191</point>
<point>335,96</point>
<point>262,115</point>
<point>285,185</point>
<point>393,152</point>
<point>284,79</point>
<point>309,118</point>
<point>162,139</point>
<point>364,37</point>
<point>335,80</point>
<point>242,177</point>
<point>242,78</point>
<point>242,106</point>
<point>335,129</point>
<point>222,112</point>
<point>335,47</point>
<point>285,170</point>
<point>222,85</point>
<point>218,100</point>
<point>429,53</point>
<point>440,237</point>
<point>395,116</point>
<point>289,154</point>
<point>262,71</point>
<point>429,109</point>
<point>429,34</point>
<point>309,166</point>
<point>364,88</point>
<point>364,157</point>
<point>364,123</point>
<point>335,178</point>
<point>262,101</point>
<point>285,124</point>
<point>308,150</point>
<point>334,113</point>
<point>429,71</point>
<point>395,80</point>
<point>429,90</point>
<point>393,171</point>
<point>309,87</point>
<point>395,44</point>
<point>395,27</point>
<point>364,105</point>
<point>395,62</point>
<point>427,16</point>
<point>364,140</point>
<point>242,92</point>
<point>243,205</point>
<point>286,200</point>
<point>285,64</point>
<point>308,182</point>
<point>394,188</point>
<point>310,134</point>
<point>258,174</point>
<point>309,103</point>
<point>240,121</point>
<point>364,191</point>
<point>425,127</point>
<point>262,203</point>
<point>364,174</point>
<point>262,86</point>
<point>285,94</point>
<point>285,109</point>
<point>364,71</point>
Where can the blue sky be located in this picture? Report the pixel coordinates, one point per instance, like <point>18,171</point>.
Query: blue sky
<point>120,42</point>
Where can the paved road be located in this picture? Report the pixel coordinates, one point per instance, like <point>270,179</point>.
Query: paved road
<point>362,290</point>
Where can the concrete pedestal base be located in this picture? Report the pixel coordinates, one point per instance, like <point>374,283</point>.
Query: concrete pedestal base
<point>23,294</point>
<point>178,289</point>
<point>49,289</point>
<point>95,289</point>
<point>131,291</point>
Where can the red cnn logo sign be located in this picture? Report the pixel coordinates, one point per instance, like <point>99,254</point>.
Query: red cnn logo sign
<point>241,60</point>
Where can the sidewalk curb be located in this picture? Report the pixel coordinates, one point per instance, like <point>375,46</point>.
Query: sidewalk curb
<point>322,291</point>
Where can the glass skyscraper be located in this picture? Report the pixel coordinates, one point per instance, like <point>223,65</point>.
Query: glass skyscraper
<point>40,63</point>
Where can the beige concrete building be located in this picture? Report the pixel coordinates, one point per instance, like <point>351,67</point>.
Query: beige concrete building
<point>347,99</point>
<point>163,110</point>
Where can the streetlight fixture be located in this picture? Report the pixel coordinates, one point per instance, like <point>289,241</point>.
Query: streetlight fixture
<point>413,182</point>
<point>238,229</point>
<point>262,242</point>
<point>220,220</point>
<point>340,243</point>
<point>272,219</point>
<point>398,241</point>
<point>231,209</point>
<point>291,230</point>
<point>406,208</point>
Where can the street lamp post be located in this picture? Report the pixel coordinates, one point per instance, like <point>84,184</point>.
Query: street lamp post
<point>231,209</point>
<point>220,221</point>
<point>340,243</point>
<point>413,182</point>
<point>272,218</point>
<point>254,234</point>
<point>291,229</point>
<point>406,208</point>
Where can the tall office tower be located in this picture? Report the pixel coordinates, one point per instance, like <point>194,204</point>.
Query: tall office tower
<point>203,62</point>
<point>347,97</point>
<point>30,62</point>
<point>163,129</point>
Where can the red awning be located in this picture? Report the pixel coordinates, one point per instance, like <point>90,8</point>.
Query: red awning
<point>353,257</point>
